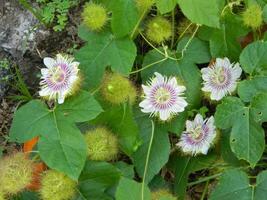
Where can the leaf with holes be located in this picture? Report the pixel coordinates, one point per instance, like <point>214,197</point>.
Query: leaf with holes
<point>247,135</point>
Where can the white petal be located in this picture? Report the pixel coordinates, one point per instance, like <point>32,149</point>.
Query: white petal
<point>189,125</point>
<point>217,95</point>
<point>206,88</point>
<point>181,103</point>
<point>61,98</point>
<point>164,115</point>
<point>232,87</point>
<point>173,82</point>
<point>49,62</point>
<point>44,92</point>
<point>75,64</point>
<point>180,89</point>
<point>159,77</point>
<point>236,71</point>
<point>44,71</point>
<point>146,89</point>
<point>225,62</point>
<point>205,149</point>
<point>198,119</point>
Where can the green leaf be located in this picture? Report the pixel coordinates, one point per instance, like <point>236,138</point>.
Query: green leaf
<point>96,178</point>
<point>29,121</point>
<point>247,135</point>
<point>62,147</point>
<point>186,71</point>
<point>182,166</point>
<point>165,6</point>
<point>121,121</point>
<point>264,14</point>
<point>80,108</point>
<point>131,190</point>
<point>261,185</point>
<point>224,42</point>
<point>247,89</point>
<point>125,16</point>
<point>233,184</point>
<point>202,12</point>
<point>126,169</point>
<point>160,148</point>
<point>254,57</point>
<point>103,50</point>
<point>197,52</point>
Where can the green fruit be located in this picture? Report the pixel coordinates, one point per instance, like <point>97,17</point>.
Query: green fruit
<point>158,30</point>
<point>57,186</point>
<point>162,194</point>
<point>252,17</point>
<point>102,145</point>
<point>15,173</point>
<point>144,5</point>
<point>117,89</point>
<point>94,16</point>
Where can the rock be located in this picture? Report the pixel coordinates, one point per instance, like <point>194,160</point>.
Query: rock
<point>19,29</point>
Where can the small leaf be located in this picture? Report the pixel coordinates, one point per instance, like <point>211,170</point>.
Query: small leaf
<point>247,89</point>
<point>165,6</point>
<point>254,57</point>
<point>125,16</point>
<point>80,108</point>
<point>261,185</point>
<point>197,52</point>
<point>131,190</point>
<point>233,184</point>
<point>247,135</point>
<point>96,178</point>
<point>202,12</point>
<point>103,50</point>
<point>29,121</point>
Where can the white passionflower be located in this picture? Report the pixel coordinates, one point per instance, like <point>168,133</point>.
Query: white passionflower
<point>59,78</point>
<point>198,136</point>
<point>220,78</point>
<point>163,97</point>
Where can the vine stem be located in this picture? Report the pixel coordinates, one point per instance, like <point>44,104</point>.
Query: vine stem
<point>204,179</point>
<point>149,65</point>
<point>147,159</point>
<point>138,22</point>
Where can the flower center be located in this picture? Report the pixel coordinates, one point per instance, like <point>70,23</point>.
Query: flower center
<point>219,76</point>
<point>197,132</point>
<point>162,95</point>
<point>57,75</point>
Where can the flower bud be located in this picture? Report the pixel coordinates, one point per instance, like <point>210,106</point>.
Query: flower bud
<point>57,186</point>
<point>94,16</point>
<point>117,89</point>
<point>158,30</point>
<point>102,145</point>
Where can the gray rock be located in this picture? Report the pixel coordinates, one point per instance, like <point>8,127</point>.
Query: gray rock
<point>19,29</point>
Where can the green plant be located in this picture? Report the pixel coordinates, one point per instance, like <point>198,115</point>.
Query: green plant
<point>198,112</point>
<point>56,12</point>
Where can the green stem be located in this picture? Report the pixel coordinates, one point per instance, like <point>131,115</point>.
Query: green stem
<point>137,24</point>
<point>173,27</point>
<point>149,65</point>
<point>147,160</point>
<point>204,179</point>
<point>205,190</point>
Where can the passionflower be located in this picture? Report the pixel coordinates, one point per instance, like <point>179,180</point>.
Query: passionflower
<point>220,78</point>
<point>198,136</point>
<point>60,78</point>
<point>163,97</point>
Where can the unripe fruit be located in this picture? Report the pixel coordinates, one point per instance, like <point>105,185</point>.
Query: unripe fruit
<point>2,197</point>
<point>102,145</point>
<point>117,89</point>
<point>57,186</point>
<point>94,16</point>
<point>158,30</point>
<point>162,194</point>
<point>15,173</point>
<point>144,5</point>
<point>252,17</point>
